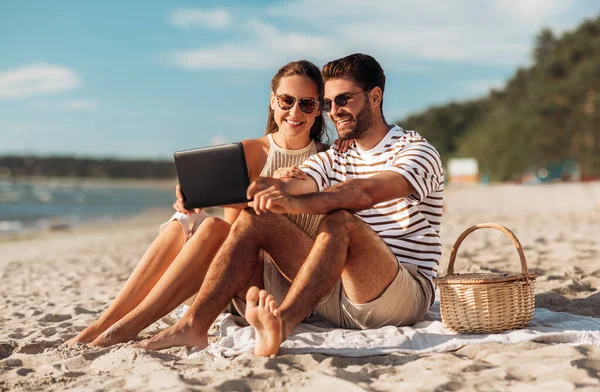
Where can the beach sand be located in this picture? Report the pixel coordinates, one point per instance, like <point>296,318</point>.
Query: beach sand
<point>55,284</point>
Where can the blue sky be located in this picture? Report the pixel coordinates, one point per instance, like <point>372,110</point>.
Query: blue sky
<point>142,79</point>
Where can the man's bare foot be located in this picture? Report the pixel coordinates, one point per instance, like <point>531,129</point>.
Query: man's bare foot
<point>263,315</point>
<point>88,335</point>
<point>114,335</point>
<point>180,334</point>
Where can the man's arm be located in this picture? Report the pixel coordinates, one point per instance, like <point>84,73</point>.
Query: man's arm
<point>264,188</point>
<point>352,195</point>
<point>357,194</point>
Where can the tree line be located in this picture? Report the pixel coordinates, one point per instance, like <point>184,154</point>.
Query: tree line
<point>547,113</point>
<point>16,166</point>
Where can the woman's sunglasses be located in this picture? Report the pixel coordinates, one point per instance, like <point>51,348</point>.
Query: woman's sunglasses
<point>340,100</point>
<point>287,102</point>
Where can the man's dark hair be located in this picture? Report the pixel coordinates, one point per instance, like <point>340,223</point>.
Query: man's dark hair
<point>363,69</point>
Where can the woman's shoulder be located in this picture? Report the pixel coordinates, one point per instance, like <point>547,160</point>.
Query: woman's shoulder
<point>256,152</point>
<point>256,146</point>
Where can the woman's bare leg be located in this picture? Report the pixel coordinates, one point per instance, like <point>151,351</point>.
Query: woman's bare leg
<point>182,279</point>
<point>158,257</point>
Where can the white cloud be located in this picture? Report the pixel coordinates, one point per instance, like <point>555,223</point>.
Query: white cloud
<point>81,104</point>
<point>404,34</point>
<point>535,11</point>
<point>37,79</point>
<point>486,32</point>
<point>218,139</point>
<point>270,48</point>
<point>186,18</point>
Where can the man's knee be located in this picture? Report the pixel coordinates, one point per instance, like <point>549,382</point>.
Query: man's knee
<point>249,222</point>
<point>340,221</point>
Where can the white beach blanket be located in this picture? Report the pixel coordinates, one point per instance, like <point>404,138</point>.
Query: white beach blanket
<point>427,336</point>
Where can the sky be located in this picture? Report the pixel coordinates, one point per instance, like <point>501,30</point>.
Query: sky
<point>142,79</point>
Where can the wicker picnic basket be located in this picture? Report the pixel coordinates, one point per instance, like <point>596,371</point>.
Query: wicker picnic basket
<point>486,302</point>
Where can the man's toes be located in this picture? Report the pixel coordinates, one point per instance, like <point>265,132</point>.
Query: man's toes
<point>272,306</point>
<point>276,313</point>
<point>268,300</point>
<point>252,296</point>
<point>261,298</point>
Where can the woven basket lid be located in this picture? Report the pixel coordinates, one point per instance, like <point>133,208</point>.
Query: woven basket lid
<point>483,278</point>
<point>489,277</point>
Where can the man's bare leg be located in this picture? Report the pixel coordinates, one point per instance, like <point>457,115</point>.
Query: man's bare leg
<point>181,280</point>
<point>155,261</point>
<point>231,270</point>
<point>345,247</point>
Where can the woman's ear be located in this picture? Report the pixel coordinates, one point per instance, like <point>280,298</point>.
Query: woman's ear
<point>376,95</point>
<point>273,101</point>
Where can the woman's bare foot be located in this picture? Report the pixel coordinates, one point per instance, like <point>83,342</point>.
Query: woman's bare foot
<point>117,333</point>
<point>88,335</point>
<point>263,315</point>
<point>180,334</point>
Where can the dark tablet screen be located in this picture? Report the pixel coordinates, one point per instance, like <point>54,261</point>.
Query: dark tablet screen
<point>213,176</point>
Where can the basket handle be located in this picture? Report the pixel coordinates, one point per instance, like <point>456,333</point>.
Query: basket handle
<point>496,226</point>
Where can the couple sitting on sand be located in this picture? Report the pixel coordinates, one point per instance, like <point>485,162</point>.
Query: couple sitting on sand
<point>351,233</point>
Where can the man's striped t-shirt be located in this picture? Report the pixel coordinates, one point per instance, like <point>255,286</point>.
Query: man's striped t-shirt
<point>409,226</point>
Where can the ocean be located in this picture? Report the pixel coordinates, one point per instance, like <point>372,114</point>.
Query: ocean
<point>55,205</point>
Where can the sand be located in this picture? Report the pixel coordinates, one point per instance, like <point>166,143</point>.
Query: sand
<point>53,285</point>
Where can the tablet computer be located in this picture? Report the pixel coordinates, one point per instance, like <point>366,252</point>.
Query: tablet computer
<point>212,176</point>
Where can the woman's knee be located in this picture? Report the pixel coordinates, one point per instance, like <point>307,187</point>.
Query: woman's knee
<point>213,226</point>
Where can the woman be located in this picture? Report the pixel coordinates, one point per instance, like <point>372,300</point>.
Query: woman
<point>175,264</point>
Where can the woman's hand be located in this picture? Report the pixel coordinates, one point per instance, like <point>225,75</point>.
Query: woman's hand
<point>290,172</point>
<point>342,145</point>
<point>179,206</point>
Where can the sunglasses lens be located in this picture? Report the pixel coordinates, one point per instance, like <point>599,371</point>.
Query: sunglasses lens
<point>341,100</point>
<point>308,105</point>
<point>286,102</point>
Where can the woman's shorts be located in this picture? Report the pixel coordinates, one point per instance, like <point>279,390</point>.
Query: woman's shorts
<point>189,223</point>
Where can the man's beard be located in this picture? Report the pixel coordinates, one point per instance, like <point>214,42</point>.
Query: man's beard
<point>363,121</point>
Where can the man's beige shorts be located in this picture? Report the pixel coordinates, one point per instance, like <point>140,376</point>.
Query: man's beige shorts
<point>404,302</point>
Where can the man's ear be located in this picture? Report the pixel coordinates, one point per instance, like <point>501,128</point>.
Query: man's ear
<point>273,101</point>
<point>376,96</point>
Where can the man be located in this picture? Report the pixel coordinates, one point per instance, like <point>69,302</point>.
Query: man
<point>376,251</point>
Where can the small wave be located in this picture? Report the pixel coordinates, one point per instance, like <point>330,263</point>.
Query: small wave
<point>10,197</point>
<point>11,226</point>
<point>43,196</point>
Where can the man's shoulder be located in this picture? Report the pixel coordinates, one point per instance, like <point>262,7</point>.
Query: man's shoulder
<point>404,139</point>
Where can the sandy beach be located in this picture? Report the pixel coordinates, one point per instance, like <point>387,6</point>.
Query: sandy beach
<point>53,285</point>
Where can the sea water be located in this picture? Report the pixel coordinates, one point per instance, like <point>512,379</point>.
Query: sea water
<point>59,205</point>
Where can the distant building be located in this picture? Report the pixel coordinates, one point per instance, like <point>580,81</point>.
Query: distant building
<point>463,171</point>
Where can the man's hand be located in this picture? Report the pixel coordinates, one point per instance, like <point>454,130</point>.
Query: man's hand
<point>342,145</point>
<point>290,172</point>
<point>178,205</point>
<point>269,195</point>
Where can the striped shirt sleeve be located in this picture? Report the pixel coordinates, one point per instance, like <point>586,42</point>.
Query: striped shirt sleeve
<point>318,167</point>
<point>420,164</point>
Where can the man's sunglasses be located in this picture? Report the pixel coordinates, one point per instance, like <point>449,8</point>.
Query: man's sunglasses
<point>340,100</point>
<point>287,102</point>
